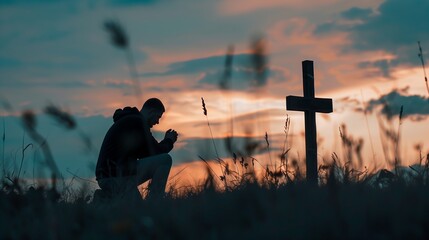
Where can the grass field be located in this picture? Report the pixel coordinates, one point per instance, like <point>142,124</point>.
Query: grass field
<point>250,211</point>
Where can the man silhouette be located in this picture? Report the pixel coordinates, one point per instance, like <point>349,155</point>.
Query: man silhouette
<point>130,155</point>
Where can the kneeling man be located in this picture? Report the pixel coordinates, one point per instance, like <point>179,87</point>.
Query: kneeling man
<point>130,155</point>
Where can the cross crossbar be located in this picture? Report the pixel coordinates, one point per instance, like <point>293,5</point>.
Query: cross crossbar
<point>322,105</point>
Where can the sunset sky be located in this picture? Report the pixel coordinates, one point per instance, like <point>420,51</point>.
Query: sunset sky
<point>365,55</point>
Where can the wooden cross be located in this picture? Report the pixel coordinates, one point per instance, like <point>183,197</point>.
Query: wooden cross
<point>310,105</point>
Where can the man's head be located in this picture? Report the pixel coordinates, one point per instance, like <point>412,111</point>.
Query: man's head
<point>152,111</point>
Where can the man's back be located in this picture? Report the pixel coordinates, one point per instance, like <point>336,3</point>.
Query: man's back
<point>127,139</point>
<point>122,144</point>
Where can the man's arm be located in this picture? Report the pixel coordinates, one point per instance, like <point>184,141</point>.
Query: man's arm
<point>165,146</point>
<point>167,143</point>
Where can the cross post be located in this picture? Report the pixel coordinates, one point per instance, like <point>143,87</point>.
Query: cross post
<point>310,105</point>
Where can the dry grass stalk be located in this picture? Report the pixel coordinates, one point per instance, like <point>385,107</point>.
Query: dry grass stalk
<point>204,106</point>
<point>210,170</point>
<point>3,147</point>
<point>397,157</point>
<point>119,39</point>
<point>283,155</point>
<point>23,148</point>
<point>268,149</point>
<point>423,65</point>
<point>351,147</point>
<point>259,59</point>
<point>218,159</point>
<point>225,84</point>
<point>64,118</point>
<point>118,35</point>
<point>29,121</point>
<point>365,112</point>
<point>225,81</point>
<point>266,139</point>
<point>208,124</point>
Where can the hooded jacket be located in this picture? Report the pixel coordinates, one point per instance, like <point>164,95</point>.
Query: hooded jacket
<point>128,139</point>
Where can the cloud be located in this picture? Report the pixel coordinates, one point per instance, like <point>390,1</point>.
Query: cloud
<point>383,66</point>
<point>211,71</point>
<point>117,84</point>
<point>357,13</point>
<point>68,83</point>
<point>13,2</point>
<point>241,7</point>
<point>397,24</point>
<point>347,103</point>
<point>240,78</point>
<point>191,148</point>
<point>112,2</point>
<point>132,2</point>
<point>60,49</point>
<point>393,28</point>
<point>249,122</point>
<point>200,65</point>
<point>415,107</point>
<point>330,27</point>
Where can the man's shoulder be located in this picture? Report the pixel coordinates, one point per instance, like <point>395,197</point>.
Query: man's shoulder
<point>126,112</point>
<point>130,120</point>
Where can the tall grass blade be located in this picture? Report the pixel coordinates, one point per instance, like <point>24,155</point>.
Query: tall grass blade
<point>219,160</point>
<point>268,149</point>
<point>365,112</point>
<point>397,157</point>
<point>29,121</point>
<point>208,166</point>
<point>23,154</point>
<point>423,66</point>
<point>3,147</point>
<point>208,124</point>
<point>225,81</point>
<point>225,84</point>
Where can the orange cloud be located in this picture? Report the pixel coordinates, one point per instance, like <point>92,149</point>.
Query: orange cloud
<point>237,7</point>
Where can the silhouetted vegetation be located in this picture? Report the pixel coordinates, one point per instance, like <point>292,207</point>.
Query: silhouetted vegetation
<point>335,210</point>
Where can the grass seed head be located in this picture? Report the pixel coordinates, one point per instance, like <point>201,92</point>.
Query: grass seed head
<point>259,60</point>
<point>118,35</point>
<point>62,117</point>
<point>204,106</point>
<point>266,139</point>
<point>29,119</point>
<point>224,82</point>
<point>400,114</point>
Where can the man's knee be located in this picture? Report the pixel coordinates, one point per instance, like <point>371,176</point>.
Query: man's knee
<point>166,159</point>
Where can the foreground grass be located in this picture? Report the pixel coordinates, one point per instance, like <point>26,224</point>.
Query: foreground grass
<point>294,211</point>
